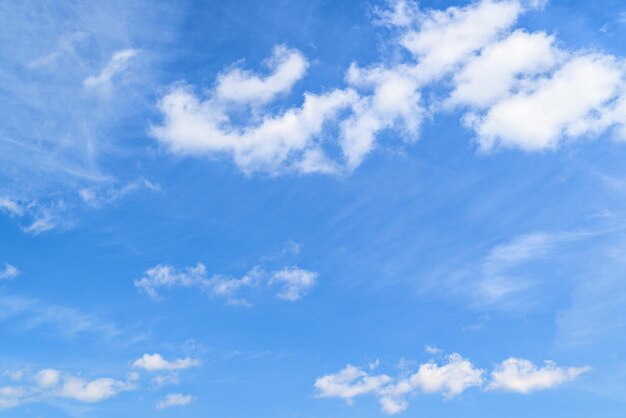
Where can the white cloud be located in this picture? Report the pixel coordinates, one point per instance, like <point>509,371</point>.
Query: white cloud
<point>51,384</point>
<point>117,64</point>
<point>47,377</point>
<point>393,101</point>
<point>445,39</point>
<point>155,362</point>
<point>510,274</point>
<point>92,391</point>
<point>9,272</point>
<point>431,349</point>
<point>492,74</point>
<point>240,86</point>
<point>167,379</point>
<point>522,376</point>
<point>11,206</point>
<point>349,382</point>
<point>293,282</point>
<point>518,88</point>
<point>174,399</point>
<point>566,104</point>
<point>278,142</point>
<point>98,198</point>
<point>450,379</point>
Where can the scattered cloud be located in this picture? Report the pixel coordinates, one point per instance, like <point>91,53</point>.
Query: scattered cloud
<point>516,88</point>
<point>174,399</point>
<point>155,362</point>
<point>522,376</point>
<point>450,379</point>
<point>9,272</point>
<point>431,349</point>
<point>50,384</point>
<point>293,282</point>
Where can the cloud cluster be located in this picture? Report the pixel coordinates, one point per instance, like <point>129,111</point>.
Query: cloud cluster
<point>50,384</point>
<point>450,379</point>
<point>293,283</point>
<point>514,88</point>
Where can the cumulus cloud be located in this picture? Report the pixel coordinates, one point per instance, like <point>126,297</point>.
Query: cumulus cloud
<point>293,283</point>
<point>9,272</point>
<point>522,376</point>
<point>174,399</point>
<point>50,384</point>
<point>516,89</point>
<point>499,67</point>
<point>564,104</point>
<point>240,86</point>
<point>443,39</point>
<point>349,382</point>
<point>156,362</point>
<point>194,125</point>
<point>450,379</point>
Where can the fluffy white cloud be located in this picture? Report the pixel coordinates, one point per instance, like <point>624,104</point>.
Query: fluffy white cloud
<point>92,391</point>
<point>522,376</point>
<point>174,399</point>
<point>349,382</point>
<point>9,272</point>
<point>155,362</point>
<point>196,126</point>
<point>450,379</point>
<point>564,104</point>
<point>445,39</point>
<point>50,384</point>
<point>293,282</point>
<point>521,91</point>
<point>118,63</point>
<point>240,86</point>
<point>492,74</point>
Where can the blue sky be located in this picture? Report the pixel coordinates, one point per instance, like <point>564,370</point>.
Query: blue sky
<point>304,209</point>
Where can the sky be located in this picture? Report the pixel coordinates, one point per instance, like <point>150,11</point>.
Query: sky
<point>306,209</point>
